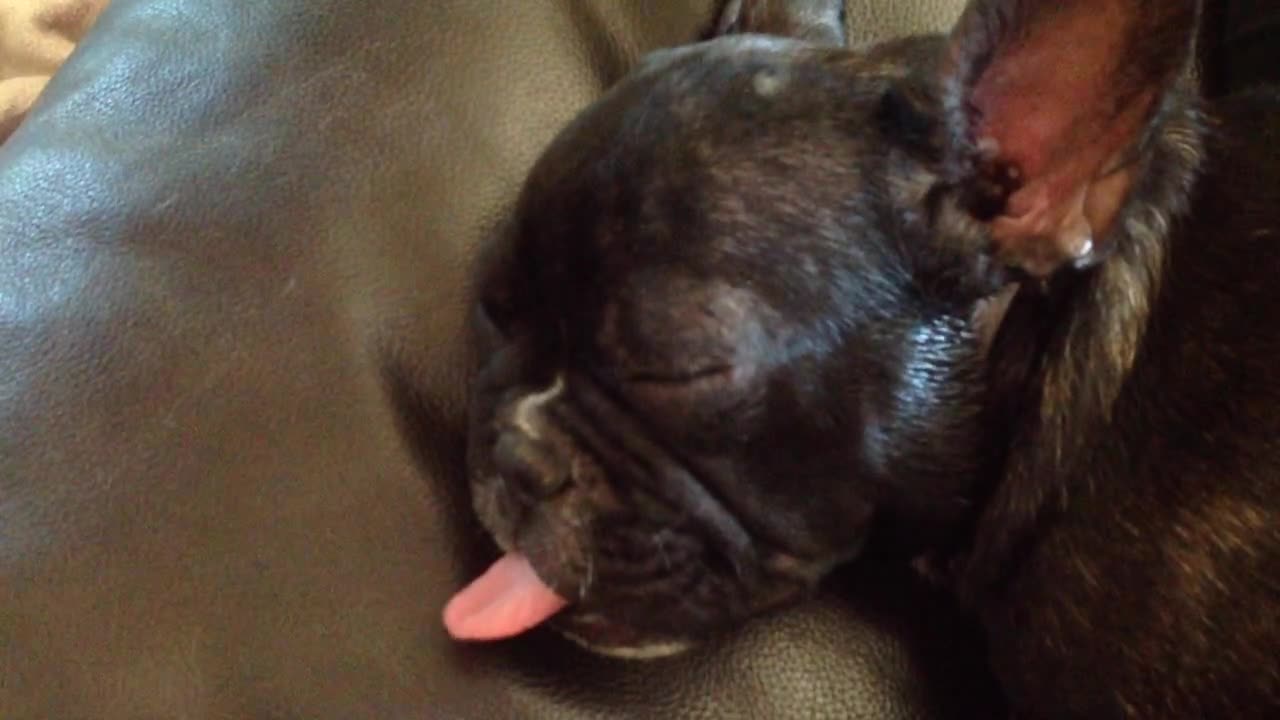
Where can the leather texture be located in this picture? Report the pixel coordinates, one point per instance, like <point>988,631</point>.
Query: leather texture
<point>234,250</point>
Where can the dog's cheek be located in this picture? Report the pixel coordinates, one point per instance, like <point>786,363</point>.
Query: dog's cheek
<point>494,510</point>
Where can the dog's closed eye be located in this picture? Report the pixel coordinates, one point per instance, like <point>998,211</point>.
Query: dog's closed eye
<point>710,373</point>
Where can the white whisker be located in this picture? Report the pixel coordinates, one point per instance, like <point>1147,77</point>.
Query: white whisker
<point>662,551</point>
<point>588,577</point>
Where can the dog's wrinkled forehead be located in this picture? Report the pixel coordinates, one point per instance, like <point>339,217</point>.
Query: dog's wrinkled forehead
<point>703,322</point>
<point>739,68</point>
<point>736,89</point>
<point>767,103</point>
<point>745,147</point>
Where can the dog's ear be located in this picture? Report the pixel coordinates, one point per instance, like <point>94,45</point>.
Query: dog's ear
<point>817,21</point>
<point>1044,104</point>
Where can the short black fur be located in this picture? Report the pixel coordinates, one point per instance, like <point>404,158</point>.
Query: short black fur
<point>757,310</point>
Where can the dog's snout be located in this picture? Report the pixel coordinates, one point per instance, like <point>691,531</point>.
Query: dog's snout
<point>530,466</point>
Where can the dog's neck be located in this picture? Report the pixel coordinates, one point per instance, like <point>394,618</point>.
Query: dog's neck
<point>1063,354</point>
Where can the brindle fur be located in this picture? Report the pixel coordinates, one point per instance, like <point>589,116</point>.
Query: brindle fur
<point>1099,482</point>
<point>1126,564</point>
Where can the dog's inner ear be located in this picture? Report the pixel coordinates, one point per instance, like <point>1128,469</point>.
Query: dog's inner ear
<point>1047,102</point>
<point>817,21</point>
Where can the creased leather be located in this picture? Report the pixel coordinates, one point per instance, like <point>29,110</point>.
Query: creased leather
<point>234,244</point>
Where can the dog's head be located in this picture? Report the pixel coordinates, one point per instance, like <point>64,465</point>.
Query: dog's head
<point>740,317</point>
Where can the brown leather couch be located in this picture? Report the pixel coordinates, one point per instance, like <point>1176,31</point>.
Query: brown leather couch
<point>234,251</point>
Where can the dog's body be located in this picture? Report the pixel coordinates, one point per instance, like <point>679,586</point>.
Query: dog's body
<point>743,326</point>
<point>1127,562</point>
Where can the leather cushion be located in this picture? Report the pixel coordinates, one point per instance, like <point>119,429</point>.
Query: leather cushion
<point>234,244</point>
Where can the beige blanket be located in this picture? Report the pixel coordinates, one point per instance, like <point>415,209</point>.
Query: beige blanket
<point>36,36</point>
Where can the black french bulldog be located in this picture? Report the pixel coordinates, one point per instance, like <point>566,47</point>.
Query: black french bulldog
<point>1001,298</point>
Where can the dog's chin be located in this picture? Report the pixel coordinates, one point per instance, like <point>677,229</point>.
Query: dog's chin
<point>598,636</point>
<point>609,625</point>
<point>596,629</point>
<point>657,650</point>
<point>607,620</point>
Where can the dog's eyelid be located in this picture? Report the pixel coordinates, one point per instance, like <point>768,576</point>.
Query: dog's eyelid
<point>717,373</point>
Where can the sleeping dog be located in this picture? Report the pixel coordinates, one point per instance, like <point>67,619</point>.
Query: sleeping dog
<point>1000,299</point>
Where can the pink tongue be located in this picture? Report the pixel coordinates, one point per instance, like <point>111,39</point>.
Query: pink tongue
<point>505,601</point>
